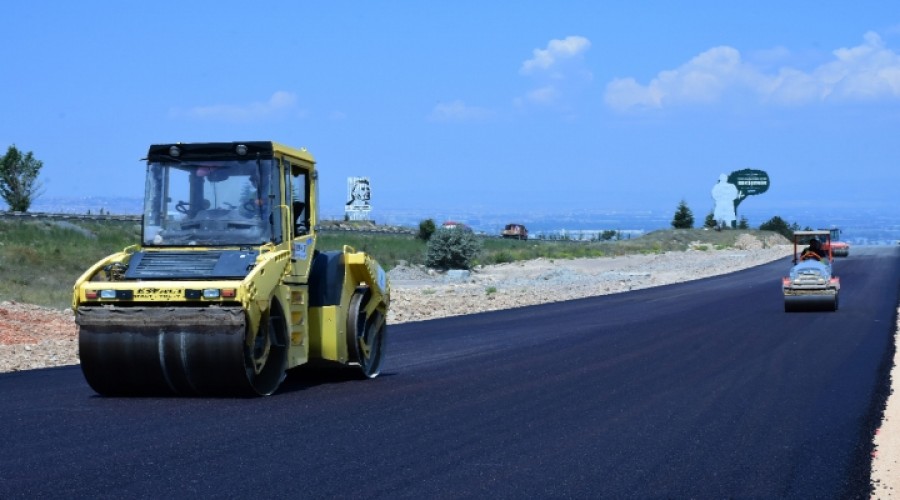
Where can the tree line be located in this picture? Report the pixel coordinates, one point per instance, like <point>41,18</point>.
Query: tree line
<point>19,187</point>
<point>684,219</point>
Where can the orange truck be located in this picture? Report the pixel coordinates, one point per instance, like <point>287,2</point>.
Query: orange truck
<point>515,232</point>
<point>838,248</point>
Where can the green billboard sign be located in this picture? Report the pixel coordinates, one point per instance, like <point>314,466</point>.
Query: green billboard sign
<point>749,182</point>
<point>731,190</point>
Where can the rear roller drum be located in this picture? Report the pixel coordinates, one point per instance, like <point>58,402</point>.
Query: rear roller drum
<point>810,303</point>
<point>265,353</point>
<point>366,330</point>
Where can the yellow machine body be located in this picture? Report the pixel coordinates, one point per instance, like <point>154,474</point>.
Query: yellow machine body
<point>227,289</point>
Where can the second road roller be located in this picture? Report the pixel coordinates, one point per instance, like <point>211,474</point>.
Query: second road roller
<point>811,284</point>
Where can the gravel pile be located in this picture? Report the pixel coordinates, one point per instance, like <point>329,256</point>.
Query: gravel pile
<point>35,337</point>
<point>46,353</point>
<point>419,294</point>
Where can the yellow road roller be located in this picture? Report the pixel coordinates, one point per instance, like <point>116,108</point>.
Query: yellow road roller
<point>227,290</point>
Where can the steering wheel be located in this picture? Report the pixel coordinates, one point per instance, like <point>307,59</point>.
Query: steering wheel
<point>810,256</point>
<point>250,206</point>
<point>183,207</point>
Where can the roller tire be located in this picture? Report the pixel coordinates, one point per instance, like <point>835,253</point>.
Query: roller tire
<point>365,334</point>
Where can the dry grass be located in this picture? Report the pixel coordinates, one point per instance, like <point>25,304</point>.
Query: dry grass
<point>40,260</point>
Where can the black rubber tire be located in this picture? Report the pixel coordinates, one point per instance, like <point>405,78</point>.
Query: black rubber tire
<point>365,334</point>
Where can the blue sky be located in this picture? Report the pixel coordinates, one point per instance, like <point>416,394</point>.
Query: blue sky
<point>470,105</point>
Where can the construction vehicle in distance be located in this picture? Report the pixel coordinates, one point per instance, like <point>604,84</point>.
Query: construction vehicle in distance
<point>811,284</point>
<point>515,232</point>
<point>838,248</point>
<point>227,290</point>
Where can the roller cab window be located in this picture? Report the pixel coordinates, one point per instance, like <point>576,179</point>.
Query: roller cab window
<point>210,203</point>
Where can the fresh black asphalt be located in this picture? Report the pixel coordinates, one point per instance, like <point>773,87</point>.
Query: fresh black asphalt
<point>705,389</point>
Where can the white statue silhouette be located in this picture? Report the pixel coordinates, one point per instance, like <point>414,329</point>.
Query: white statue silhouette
<point>724,193</point>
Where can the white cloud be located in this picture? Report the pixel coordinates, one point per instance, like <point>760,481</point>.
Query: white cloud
<point>869,71</point>
<point>702,79</point>
<point>280,102</point>
<point>543,95</point>
<point>791,87</point>
<point>559,72</point>
<point>556,51</point>
<point>457,111</point>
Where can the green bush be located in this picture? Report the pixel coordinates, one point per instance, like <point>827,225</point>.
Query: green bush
<point>609,235</point>
<point>426,229</point>
<point>452,249</point>
<point>779,225</point>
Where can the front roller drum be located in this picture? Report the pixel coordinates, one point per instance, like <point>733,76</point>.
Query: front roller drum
<point>143,351</point>
<point>810,303</point>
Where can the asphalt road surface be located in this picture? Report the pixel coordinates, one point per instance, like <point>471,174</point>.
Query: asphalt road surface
<point>704,389</point>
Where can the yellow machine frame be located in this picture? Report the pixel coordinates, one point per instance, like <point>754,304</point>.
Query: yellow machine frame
<point>291,275</point>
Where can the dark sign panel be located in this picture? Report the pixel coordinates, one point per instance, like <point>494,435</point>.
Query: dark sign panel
<point>749,182</point>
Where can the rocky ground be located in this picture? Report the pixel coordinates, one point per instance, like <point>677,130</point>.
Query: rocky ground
<point>420,294</point>
<point>34,337</point>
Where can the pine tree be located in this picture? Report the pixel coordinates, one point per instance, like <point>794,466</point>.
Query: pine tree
<point>684,218</point>
<point>710,221</point>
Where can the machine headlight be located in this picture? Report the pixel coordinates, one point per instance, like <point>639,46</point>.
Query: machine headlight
<point>116,294</point>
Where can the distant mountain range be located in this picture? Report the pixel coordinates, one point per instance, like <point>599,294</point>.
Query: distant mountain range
<point>858,227</point>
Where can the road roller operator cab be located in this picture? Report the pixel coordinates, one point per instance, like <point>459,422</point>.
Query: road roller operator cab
<point>226,289</point>
<point>811,284</point>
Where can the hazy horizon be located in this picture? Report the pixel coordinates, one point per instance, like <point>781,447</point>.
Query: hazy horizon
<point>860,226</point>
